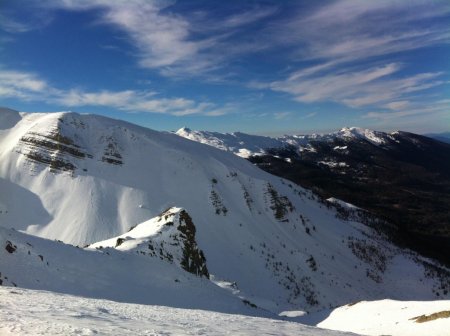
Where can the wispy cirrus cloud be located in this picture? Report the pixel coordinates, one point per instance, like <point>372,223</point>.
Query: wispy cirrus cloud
<point>20,84</point>
<point>356,88</point>
<point>10,25</point>
<point>29,87</point>
<point>12,22</point>
<point>174,44</point>
<point>247,17</point>
<point>137,101</point>
<point>348,42</point>
<point>281,115</point>
<point>181,45</point>
<point>348,30</point>
<point>397,105</point>
<point>441,107</point>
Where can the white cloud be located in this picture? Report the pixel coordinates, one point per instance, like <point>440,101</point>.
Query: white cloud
<point>281,115</point>
<point>349,30</point>
<point>135,101</point>
<point>345,40</point>
<point>27,86</point>
<point>16,84</point>
<point>417,109</point>
<point>397,105</point>
<point>309,115</point>
<point>334,32</point>
<point>174,44</point>
<point>248,17</point>
<point>331,87</point>
<point>10,25</point>
<point>21,81</point>
<point>357,88</point>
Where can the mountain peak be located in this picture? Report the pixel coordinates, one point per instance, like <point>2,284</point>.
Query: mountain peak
<point>183,130</point>
<point>363,133</point>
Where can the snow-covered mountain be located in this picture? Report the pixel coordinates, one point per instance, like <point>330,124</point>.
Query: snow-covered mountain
<point>399,176</point>
<point>155,202</point>
<point>242,144</point>
<point>246,145</point>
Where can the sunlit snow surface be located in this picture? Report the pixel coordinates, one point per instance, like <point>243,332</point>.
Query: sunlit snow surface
<point>389,317</point>
<point>32,312</point>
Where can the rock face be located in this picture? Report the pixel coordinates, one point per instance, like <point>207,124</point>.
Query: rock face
<point>158,200</point>
<point>52,149</point>
<point>170,237</point>
<point>401,177</point>
<point>193,260</point>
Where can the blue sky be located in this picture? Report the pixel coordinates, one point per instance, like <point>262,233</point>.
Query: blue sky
<point>261,67</point>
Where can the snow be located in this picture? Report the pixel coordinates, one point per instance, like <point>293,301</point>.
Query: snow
<point>110,274</point>
<point>246,145</point>
<point>389,317</point>
<point>293,313</point>
<point>141,233</point>
<point>32,312</point>
<point>333,164</point>
<point>342,203</point>
<point>37,312</point>
<point>282,247</point>
<point>374,137</point>
<point>8,118</point>
<point>241,144</point>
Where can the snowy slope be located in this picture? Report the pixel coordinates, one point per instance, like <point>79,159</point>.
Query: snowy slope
<point>388,317</point>
<point>86,179</point>
<point>31,312</point>
<point>399,176</point>
<point>32,262</point>
<point>38,263</point>
<point>239,143</point>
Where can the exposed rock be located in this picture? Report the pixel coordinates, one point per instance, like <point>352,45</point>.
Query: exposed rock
<point>10,247</point>
<point>194,260</point>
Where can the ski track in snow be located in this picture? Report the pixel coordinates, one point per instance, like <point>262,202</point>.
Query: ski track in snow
<point>31,312</point>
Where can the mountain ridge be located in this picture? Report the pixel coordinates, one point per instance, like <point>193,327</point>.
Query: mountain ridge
<point>278,245</point>
<point>401,177</point>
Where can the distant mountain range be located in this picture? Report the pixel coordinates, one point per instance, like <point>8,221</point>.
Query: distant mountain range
<point>163,220</point>
<point>443,137</point>
<point>401,177</point>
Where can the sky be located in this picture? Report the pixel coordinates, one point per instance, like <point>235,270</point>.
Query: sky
<point>260,67</point>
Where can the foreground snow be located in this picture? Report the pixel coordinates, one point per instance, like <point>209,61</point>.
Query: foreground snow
<point>389,317</point>
<point>32,312</point>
